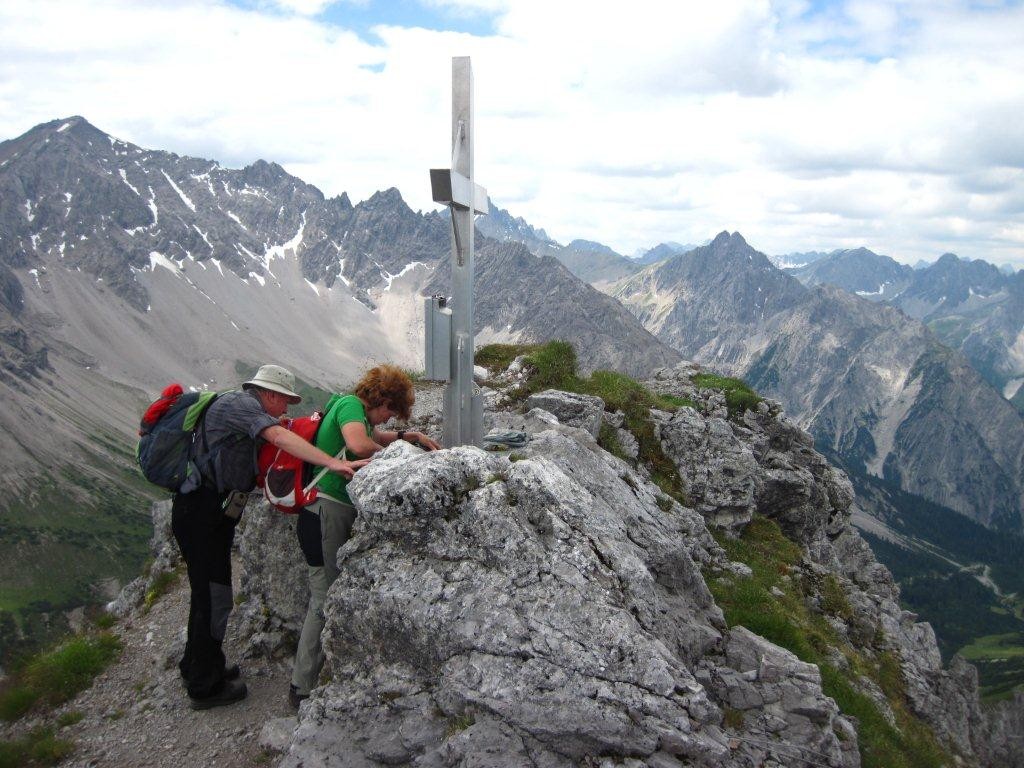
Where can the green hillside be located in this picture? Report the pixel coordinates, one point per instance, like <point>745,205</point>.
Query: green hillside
<point>966,580</point>
<point>80,525</point>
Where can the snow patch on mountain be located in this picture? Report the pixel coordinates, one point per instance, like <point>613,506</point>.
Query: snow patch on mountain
<point>184,198</point>
<point>389,278</point>
<point>159,260</point>
<point>879,292</point>
<point>153,208</point>
<point>124,178</point>
<point>278,251</point>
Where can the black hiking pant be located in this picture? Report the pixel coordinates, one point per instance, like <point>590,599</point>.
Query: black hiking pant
<point>204,534</point>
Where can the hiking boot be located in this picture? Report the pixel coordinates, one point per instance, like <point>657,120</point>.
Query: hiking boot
<point>295,698</point>
<point>231,692</point>
<point>230,673</point>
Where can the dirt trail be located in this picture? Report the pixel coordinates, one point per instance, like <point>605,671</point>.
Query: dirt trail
<point>137,713</point>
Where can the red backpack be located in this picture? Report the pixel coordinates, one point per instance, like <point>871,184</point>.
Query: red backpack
<point>288,482</point>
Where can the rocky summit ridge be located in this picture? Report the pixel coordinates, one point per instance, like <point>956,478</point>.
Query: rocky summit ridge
<point>552,606</point>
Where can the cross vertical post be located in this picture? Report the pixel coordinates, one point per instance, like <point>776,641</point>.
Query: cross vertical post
<point>455,187</point>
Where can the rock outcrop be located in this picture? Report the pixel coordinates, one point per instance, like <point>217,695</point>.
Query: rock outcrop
<point>275,582</point>
<point>539,611</point>
<point>551,606</point>
<point>583,411</point>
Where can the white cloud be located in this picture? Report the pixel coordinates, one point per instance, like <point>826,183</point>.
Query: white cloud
<point>304,7</point>
<point>894,125</point>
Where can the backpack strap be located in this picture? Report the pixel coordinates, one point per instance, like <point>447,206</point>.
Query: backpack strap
<point>206,451</point>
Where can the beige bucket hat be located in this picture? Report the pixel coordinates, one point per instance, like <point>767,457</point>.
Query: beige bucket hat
<point>276,379</point>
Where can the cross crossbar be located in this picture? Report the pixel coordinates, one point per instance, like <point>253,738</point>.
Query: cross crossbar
<point>452,188</point>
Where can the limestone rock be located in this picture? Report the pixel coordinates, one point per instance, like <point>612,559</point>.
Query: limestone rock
<point>576,410</point>
<point>780,697</point>
<point>719,472</point>
<point>277,733</point>
<point>543,611</point>
<point>275,581</point>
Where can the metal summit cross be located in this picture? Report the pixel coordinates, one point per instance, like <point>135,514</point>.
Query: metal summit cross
<point>449,331</point>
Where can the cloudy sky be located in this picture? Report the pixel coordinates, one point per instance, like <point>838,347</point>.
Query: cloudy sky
<point>803,125</point>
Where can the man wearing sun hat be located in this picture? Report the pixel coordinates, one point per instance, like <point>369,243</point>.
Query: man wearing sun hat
<point>204,520</point>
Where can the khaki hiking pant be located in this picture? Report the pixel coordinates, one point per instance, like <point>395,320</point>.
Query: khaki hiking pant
<point>323,527</point>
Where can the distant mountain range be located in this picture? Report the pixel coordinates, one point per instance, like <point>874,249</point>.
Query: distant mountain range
<point>791,260</point>
<point>971,306</point>
<point>874,386</point>
<point>591,262</point>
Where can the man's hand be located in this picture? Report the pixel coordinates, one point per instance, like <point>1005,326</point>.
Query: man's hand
<point>346,468</point>
<point>424,442</point>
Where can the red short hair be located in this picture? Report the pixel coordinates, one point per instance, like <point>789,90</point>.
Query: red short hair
<point>387,385</point>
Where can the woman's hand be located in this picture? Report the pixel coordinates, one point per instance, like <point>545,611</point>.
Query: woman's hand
<point>346,468</point>
<point>424,442</point>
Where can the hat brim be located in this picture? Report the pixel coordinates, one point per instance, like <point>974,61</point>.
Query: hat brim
<point>293,397</point>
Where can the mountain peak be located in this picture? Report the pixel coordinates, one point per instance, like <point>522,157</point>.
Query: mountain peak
<point>389,196</point>
<point>60,130</point>
<point>726,239</point>
<point>593,246</point>
<point>499,224</point>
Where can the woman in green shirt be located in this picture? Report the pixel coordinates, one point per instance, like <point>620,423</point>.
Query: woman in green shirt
<point>351,423</point>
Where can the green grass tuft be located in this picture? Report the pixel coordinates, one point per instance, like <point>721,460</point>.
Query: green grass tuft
<point>608,439</point>
<point>459,724</point>
<point>733,718</point>
<point>672,403</point>
<point>773,604</point>
<point>497,357</point>
<point>833,598</point>
<point>69,718</point>
<point>39,747</point>
<point>15,701</point>
<point>551,365</point>
<point>739,397</point>
<point>55,676</point>
<point>161,586</point>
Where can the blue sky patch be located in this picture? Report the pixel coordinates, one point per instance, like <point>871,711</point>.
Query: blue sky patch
<point>362,17</point>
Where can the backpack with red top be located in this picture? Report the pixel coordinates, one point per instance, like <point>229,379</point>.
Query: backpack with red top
<point>167,436</point>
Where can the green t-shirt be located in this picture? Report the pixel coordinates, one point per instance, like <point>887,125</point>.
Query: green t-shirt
<point>342,411</point>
